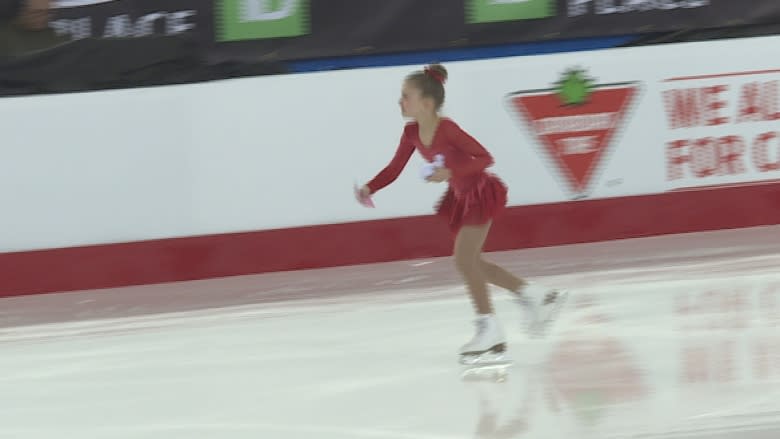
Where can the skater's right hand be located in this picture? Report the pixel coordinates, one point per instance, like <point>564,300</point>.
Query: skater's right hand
<point>363,196</point>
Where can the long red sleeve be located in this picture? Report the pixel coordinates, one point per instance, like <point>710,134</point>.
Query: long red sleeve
<point>480,157</point>
<point>394,168</point>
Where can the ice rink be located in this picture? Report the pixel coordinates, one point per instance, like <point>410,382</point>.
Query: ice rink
<point>665,337</point>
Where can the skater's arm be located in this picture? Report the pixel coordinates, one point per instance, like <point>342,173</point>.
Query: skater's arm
<point>391,172</point>
<point>480,157</point>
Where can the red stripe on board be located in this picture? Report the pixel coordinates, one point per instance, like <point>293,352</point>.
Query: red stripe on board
<point>191,258</point>
<point>722,75</point>
<point>729,185</point>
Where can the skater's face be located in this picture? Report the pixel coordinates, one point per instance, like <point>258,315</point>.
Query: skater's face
<point>413,103</point>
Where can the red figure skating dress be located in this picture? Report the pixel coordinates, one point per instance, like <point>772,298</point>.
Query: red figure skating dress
<point>474,196</point>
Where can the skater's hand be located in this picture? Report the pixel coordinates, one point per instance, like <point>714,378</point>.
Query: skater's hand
<point>439,175</point>
<point>363,196</point>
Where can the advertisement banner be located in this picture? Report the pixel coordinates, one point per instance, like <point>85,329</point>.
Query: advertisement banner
<point>575,124</point>
<point>722,128</point>
<point>651,131</point>
<point>246,20</point>
<point>305,29</point>
<point>486,11</point>
<point>79,19</point>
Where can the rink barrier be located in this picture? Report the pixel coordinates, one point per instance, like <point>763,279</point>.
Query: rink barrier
<point>164,184</point>
<point>191,258</point>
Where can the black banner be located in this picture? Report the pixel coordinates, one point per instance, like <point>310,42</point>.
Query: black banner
<point>305,29</point>
<point>80,19</point>
<point>95,64</point>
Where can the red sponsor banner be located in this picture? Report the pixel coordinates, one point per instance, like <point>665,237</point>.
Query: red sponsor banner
<point>721,125</point>
<point>575,124</point>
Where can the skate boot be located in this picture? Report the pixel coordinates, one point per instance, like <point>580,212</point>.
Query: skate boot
<point>488,347</point>
<point>529,310</point>
<point>543,314</point>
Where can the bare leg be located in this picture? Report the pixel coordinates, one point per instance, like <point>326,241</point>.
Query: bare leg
<point>498,276</point>
<point>468,261</point>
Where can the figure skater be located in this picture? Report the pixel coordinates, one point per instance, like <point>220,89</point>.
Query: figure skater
<point>473,199</point>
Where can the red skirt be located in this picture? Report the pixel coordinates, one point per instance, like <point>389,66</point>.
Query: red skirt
<point>475,204</point>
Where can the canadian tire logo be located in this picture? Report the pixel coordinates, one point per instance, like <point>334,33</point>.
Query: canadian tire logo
<point>575,124</point>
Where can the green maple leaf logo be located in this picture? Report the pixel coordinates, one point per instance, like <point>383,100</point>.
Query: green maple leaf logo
<point>574,88</point>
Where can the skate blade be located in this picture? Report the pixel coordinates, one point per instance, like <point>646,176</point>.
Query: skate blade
<point>487,364</point>
<point>494,373</point>
<point>495,357</point>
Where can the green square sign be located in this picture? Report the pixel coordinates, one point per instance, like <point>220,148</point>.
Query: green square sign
<point>258,19</point>
<point>486,11</point>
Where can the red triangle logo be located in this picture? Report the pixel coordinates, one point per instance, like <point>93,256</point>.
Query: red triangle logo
<point>576,136</point>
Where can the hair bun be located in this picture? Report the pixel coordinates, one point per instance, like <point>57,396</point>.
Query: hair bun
<point>437,71</point>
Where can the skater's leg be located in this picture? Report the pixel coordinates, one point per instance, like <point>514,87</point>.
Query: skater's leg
<point>489,342</point>
<point>468,249</point>
<point>477,272</point>
<point>498,276</point>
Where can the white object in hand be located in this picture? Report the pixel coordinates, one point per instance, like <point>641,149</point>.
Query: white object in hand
<point>429,168</point>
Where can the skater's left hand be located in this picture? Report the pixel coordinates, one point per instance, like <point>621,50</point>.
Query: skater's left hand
<point>439,175</point>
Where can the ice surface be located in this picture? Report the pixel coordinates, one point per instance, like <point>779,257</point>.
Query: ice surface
<point>672,337</point>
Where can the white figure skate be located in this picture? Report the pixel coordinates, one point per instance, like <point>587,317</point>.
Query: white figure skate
<point>540,315</point>
<point>488,347</point>
<point>529,310</point>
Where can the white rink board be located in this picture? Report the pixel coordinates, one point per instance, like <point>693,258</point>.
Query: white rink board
<point>284,151</point>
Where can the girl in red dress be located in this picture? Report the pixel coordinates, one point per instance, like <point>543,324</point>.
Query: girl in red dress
<point>473,199</point>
